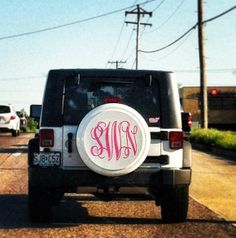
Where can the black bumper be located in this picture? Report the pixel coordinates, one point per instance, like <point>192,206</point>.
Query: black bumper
<point>71,179</point>
<point>5,130</point>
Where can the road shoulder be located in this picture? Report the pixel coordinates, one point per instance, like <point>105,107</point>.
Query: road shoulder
<point>213,183</point>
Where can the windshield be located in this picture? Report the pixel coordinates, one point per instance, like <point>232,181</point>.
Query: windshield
<point>86,94</point>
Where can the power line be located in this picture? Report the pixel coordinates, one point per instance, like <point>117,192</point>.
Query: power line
<point>158,6</point>
<point>117,42</point>
<point>172,51</point>
<point>217,70</point>
<point>220,70</point>
<point>127,46</point>
<point>23,91</point>
<point>220,15</point>
<point>133,64</point>
<point>23,78</point>
<point>172,43</point>
<point>172,14</point>
<point>69,24</point>
<point>188,31</point>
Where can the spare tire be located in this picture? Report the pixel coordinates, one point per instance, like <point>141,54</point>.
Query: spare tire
<point>113,139</point>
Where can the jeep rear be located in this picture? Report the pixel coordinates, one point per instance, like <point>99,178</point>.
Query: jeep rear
<point>111,133</point>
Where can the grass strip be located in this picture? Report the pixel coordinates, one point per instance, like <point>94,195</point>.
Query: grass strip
<point>214,138</point>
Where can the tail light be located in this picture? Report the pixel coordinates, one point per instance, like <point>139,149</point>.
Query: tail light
<point>176,139</point>
<point>186,121</point>
<point>12,117</point>
<point>46,137</point>
<point>190,121</point>
<point>23,121</point>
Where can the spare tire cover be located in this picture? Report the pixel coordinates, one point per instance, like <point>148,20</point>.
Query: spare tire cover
<point>113,139</point>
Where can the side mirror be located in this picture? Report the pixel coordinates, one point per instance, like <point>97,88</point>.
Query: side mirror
<point>35,112</point>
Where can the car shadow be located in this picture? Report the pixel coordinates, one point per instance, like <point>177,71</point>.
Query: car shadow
<point>13,150</point>
<point>21,145</point>
<point>14,214</point>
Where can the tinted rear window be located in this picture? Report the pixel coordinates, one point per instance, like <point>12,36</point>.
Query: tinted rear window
<point>5,109</point>
<point>83,95</point>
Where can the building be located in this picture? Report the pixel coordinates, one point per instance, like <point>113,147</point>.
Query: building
<point>221,105</point>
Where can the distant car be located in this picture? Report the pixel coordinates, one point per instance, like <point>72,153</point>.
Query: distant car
<point>9,121</point>
<point>23,120</point>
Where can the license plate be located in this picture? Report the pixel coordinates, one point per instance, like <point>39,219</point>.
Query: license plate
<point>2,120</point>
<point>52,159</point>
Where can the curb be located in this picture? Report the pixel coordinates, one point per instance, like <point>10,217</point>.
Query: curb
<point>228,154</point>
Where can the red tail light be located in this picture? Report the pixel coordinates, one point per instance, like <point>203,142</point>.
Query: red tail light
<point>46,137</point>
<point>186,121</point>
<point>190,121</point>
<point>176,139</point>
<point>12,117</point>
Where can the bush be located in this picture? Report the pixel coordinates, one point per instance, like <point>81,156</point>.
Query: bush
<point>216,138</point>
<point>31,125</point>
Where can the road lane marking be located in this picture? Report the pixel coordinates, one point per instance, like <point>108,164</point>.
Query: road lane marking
<point>17,154</point>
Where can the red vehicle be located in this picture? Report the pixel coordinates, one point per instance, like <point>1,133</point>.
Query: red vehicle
<point>23,120</point>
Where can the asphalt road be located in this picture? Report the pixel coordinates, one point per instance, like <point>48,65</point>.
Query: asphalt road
<point>79,216</point>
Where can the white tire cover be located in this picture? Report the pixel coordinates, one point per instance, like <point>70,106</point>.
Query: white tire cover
<point>113,139</point>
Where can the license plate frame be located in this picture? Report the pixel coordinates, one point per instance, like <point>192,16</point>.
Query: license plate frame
<point>47,159</point>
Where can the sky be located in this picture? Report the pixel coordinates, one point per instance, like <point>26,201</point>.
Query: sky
<point>89,33</point>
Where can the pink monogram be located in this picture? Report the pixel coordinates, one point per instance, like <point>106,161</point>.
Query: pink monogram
<point>114,140</point>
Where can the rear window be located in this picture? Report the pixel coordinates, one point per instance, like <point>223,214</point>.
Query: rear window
<point>5,109</point>
<point>83,95</point>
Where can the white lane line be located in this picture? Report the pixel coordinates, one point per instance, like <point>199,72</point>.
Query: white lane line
<point>17,154</point>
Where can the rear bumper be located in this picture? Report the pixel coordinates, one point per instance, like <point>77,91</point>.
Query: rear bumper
<point>6,129</point>
<point>71,179</point>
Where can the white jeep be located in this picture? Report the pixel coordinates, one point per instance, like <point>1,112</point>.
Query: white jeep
<point>111,133</point>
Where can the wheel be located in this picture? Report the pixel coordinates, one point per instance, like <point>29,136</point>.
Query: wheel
<point>39,205</point>
<point>113,139</point>
<point>14,133</point>
<point>40,200</point>
<point>18,130</point>
<point>174,204</point>
<point>33,147</point>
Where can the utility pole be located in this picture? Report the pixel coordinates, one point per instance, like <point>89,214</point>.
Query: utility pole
<point>203,80</point>
<point>139,12</point>
<point>117,63</point>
